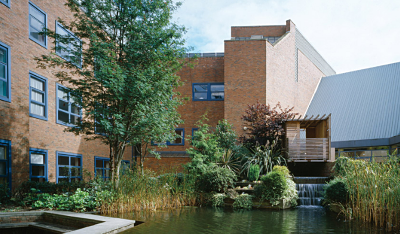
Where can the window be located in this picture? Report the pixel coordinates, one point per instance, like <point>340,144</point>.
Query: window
<point>37,22</point>
<point>69,167</point>
<point>208,92</point>
<point>5,162</point>
<point>102,167</point>
<point>5,69</point>
<point>38,165</point>
<point>68,46</point>
<point>38,96</point>
<point>68,112</point>
<point>5,2</point>
<point>179,140</point>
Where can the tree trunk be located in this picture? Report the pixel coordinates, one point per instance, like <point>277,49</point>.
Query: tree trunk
<point>116,154</point>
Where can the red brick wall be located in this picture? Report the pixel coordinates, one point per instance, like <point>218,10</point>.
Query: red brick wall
<point>166,164</point>
<point>266,31</point>
<point>27,132</point>
<point>245,71</point>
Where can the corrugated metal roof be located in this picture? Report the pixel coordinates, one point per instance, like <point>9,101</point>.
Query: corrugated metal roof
<point>364,104</point>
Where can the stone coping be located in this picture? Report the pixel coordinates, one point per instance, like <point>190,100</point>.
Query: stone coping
<point>94,223</point>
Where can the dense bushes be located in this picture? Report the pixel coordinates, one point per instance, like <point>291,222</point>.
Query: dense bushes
<point>216,179</point>
<point>277,185</point>
<point>243,201</point>
<point>336,191</point>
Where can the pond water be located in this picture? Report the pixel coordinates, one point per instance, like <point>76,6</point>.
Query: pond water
<point>310,219</point>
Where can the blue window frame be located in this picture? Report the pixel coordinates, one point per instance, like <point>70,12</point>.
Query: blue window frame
<point>5,162</point>
<point>178,141</point>
<point>5,72</point>
<point>5,2</point>
<point>38,165</point>
<point>69,167</point>
<point>37,23</point>
<point>102,167</point>
<point>72,51</point>
<point>208,91</point>
<point>37,96</point>
<point>68,112</point>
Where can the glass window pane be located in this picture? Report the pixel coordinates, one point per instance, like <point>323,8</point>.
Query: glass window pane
<point>347,154</point>
<point>99,163</point>
<point>63,105</point>
<point>3,170</point>
<point>217,88</point>
<point>36,96</point>
<point>36,25</point>
<point>217,96</point>
<point>380,152</point>
<point>99,172</point>
<point>3,88</point>
<point>3,152</point>
<point>107,164</point>
<point>75,119</point>
<point>363,153</point>
<point>37,158</point>
<point>63,171</point>
<point>37,84</point>
<point>200,88</point>
<point>63,180</point>
<point>75,109</point>
<point>178,140</point>
<point>107,173</point>
<point>63,160</point>
<point>75,161</point>
<point>37,14</point>
<point>3,55</point>
<point>63,117</point>
<point>75,171</point>
<point>37,170</point>
<point>201,96</point>
<point>3,71</point>
<point>62,94</point>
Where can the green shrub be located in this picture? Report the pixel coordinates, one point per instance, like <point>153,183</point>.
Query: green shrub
<point>275,187</point>
<point>340,166</point>
<point>4,193</point>
<point>217,200</point>
<point>254,172</point>
<point>336,191</point>
<point>243,201</point>
<point>216,179</point>
<point>282,169</point>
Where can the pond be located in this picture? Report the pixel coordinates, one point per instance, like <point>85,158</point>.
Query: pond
<point>309,219</point>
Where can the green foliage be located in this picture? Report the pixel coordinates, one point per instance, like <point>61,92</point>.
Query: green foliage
<point>216,179</point>
<point>336,191</point>
<point>217,200</point>
<point>282,169</point>
<point>4,193</point>
<point>275,187</point>
<point>225,135</point>
<point>79,201</point>
<point>340,165</point>
<point>243,201</point>
<point>265,156</point>
<point>254,172</point>
<point>130,53</point>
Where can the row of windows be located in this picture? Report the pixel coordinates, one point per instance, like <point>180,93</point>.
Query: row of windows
<point>69,166</point>
<point>208,92</point>
<point>180,139</point>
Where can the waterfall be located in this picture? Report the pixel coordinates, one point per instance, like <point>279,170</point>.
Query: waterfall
<point>310,190</point>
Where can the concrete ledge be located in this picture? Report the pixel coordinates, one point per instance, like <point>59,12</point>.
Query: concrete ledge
<point>65,221</point>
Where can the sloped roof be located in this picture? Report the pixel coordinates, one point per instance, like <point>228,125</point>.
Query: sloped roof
<point>364,104</point>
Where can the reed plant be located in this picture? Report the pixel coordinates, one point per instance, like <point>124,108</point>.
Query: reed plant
<point>374,191</point>
<point>149,191</point>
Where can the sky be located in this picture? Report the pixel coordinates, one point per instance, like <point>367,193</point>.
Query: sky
<point>349,34</point>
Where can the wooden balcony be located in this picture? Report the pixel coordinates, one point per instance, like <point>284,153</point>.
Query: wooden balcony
<point>308,149</point>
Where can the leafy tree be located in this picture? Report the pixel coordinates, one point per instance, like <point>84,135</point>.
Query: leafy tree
<point>265,124</point>
<point>122,73</point>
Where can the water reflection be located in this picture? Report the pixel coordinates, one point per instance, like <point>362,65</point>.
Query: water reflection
<point>211,220</point>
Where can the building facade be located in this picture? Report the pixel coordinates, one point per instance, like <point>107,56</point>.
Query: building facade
<point>34,111</point>
<point>269,64</point>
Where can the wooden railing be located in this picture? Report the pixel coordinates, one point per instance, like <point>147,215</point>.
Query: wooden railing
<point>308,149</point>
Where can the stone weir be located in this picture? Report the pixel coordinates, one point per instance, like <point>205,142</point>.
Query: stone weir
<point>310,190</point>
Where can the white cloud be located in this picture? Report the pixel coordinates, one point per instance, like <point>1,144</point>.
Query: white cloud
<point>350,35</point>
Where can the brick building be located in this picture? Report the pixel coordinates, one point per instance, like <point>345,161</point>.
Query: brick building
<point>264,63</point>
